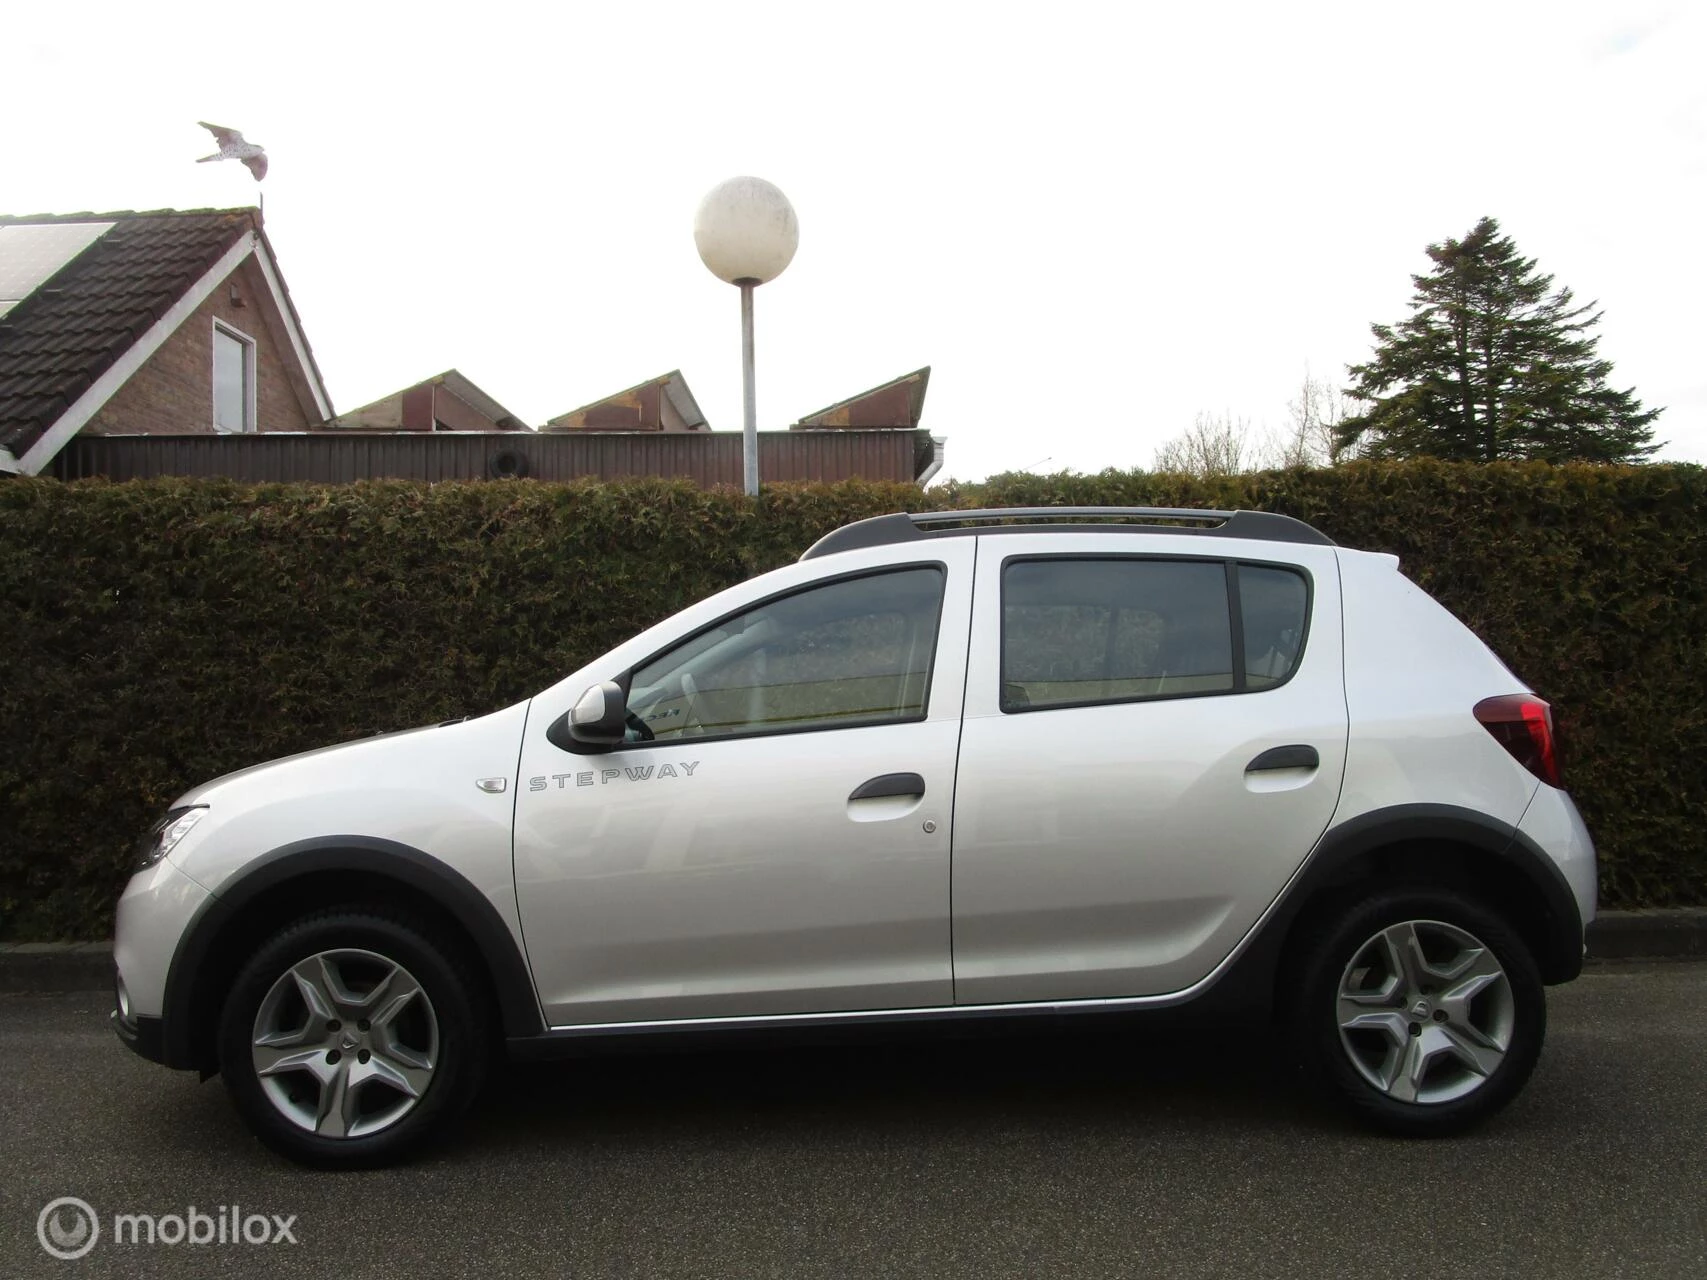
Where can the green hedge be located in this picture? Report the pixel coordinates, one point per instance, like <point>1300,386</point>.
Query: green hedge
<point>159,633</point>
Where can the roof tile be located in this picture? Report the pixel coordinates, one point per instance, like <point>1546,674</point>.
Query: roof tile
<point>71,330</point>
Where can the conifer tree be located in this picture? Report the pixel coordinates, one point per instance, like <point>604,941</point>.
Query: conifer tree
<point>1492,363</point>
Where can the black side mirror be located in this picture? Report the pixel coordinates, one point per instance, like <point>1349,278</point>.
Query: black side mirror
<point>600,717</point>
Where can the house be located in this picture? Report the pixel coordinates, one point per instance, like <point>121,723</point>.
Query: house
<point>166,344</point>
<point>654,429</point>
<point>898,403</point>
<point>662,404</point>
<point>143,324</point>
<point>445,402</point>
<point>895,406</point>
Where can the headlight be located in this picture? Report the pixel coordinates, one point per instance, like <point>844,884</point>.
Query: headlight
<point>164,835</point>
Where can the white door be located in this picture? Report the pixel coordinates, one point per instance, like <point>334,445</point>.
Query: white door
<point>1153,743</point>
<point>781,843</point>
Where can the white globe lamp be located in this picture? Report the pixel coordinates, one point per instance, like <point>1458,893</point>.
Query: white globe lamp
<point>746,233</point>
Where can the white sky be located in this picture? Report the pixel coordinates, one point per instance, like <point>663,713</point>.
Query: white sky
<point>1092,220</point>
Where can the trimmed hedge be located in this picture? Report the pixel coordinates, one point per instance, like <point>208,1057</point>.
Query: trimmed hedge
<point>159,633</point>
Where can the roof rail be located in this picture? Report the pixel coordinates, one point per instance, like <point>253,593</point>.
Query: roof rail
<point>880,531</point>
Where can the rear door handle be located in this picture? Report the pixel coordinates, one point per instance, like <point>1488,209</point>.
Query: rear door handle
<point>1297,756</point>
<point>889,784</point>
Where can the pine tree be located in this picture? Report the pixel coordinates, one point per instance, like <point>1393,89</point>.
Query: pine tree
<point>1492,364</point>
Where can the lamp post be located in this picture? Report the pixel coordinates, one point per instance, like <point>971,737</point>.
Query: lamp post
<point>746,233</point>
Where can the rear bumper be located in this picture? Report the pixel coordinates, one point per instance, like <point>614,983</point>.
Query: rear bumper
<point>1553,824</point>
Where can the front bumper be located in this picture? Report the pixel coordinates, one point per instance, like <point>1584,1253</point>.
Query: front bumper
<point>143,1036</point>
<point>157,909</point>
<point>154,913</point>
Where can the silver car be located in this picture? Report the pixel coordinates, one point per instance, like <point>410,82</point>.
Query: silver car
<point>953,765</point>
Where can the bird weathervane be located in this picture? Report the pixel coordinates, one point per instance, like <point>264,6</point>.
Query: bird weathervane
<point>233,146</point>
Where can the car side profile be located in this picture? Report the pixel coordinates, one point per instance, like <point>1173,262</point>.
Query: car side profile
<point>948,766</point>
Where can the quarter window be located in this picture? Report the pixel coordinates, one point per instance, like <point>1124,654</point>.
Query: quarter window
<point>854,652</point>
<point>1274,605</point>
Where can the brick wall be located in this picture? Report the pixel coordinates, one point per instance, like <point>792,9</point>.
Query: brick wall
<point>173,392</point>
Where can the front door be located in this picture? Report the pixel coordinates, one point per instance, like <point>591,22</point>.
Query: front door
<point>773,838</point>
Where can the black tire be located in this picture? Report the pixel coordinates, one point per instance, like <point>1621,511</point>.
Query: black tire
<point>1508,1012</point>
<point>439,1022</point>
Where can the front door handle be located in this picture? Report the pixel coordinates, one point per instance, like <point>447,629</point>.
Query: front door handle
<point>1297,756</point>
<point>889,784</point>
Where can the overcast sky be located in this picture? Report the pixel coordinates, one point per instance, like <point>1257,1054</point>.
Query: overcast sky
<point>1093,221</point>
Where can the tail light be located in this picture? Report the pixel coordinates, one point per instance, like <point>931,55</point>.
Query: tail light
<point>1523,725</point>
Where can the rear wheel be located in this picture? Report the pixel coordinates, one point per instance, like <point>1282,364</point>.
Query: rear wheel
<point>350,1038</point>
<point>1422,1010</point>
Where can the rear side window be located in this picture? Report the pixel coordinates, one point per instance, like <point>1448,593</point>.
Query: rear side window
<point>1080,632</point>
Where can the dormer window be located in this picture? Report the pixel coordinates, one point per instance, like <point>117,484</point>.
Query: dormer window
<point>233,379</point>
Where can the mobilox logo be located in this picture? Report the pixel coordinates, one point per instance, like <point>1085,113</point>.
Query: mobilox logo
<point>68,1227</point>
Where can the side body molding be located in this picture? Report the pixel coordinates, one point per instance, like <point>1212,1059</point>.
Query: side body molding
<point>518,1006</point>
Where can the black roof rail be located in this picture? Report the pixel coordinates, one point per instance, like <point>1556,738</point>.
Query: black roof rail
<point>902,526</point>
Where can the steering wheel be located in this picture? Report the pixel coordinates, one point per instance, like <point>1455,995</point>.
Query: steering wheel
<point>642,731</point>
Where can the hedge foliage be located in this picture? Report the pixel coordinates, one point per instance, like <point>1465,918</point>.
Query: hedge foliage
<point>159,633</point>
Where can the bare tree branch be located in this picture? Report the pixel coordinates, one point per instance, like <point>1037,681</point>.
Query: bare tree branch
<point>1212,446</point>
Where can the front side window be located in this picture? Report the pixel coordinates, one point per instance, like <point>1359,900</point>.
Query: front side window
<point>854,652</point>
<point>233,380</point>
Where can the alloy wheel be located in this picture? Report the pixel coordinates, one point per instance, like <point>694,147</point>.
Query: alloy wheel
<point>345,1043</point>
<point>1425,1011</point>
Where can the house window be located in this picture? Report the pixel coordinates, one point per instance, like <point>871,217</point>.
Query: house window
<point>233,379</point>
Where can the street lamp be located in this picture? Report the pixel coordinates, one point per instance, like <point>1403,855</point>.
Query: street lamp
<point>746,233</point>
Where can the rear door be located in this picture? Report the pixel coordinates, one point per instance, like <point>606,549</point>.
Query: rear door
<point>1153,742</point>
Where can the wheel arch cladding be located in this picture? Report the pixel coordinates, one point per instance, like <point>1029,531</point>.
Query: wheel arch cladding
<point>1448,847</point>
<point>313,874</point>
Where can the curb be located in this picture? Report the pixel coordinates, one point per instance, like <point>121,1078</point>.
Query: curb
<point>55,966</point>
<point>1659,933</point>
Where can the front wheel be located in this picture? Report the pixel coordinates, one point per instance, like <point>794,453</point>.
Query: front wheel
<point>1421,1010</point>
<point>350,1038</point>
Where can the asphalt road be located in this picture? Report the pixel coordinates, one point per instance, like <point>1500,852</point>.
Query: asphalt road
<point>1105,1155</point>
